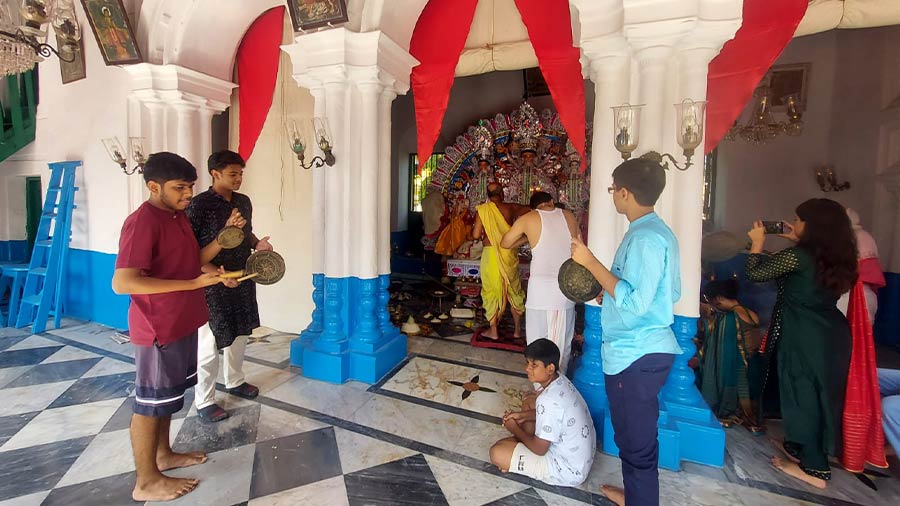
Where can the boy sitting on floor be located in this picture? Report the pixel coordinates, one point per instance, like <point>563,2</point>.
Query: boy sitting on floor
<point>561,450</point>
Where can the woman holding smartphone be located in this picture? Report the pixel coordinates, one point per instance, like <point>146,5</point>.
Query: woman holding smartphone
<point>808,334</point>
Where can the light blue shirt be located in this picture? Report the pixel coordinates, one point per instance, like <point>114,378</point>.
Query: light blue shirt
<point>638,320</point>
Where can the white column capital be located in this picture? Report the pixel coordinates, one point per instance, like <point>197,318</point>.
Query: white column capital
<point>147,78</point>
<point>343,50</point>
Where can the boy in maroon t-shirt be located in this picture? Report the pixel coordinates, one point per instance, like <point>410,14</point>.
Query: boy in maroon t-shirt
<point>159,265</point>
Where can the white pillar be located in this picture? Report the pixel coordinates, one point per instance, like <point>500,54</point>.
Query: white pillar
<point>385,173</point>
<point>337,254</point>
<point>610,72</point>
<point>367,178</point>
<point>652,64</point>
<point>687,214</point>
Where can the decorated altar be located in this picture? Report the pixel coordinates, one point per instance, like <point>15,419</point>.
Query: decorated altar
<point>525,151</point>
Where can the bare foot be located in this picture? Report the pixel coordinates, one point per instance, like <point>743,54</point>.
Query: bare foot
<point>163,488</point>
<point>176,460</point>
<point>614,494</point>
<point>792,469</point>
<point>780,446</point>
<point>490,334</point>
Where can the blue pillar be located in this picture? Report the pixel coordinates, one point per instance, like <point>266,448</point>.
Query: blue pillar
<point>688,431</point>
<point>327,359</point>
<point>700,437</point>
<point>589,378</point>
<point>376,346</point>
<point>314,329</point>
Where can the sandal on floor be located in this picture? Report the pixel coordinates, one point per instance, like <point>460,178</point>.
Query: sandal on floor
<point>244,391</point>
<point>212,413</point>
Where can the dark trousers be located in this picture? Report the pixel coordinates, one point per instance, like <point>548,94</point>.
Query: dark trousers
<point>634,409</point>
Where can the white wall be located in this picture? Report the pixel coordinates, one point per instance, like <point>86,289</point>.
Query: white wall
<point>841,128</point>
<point>281,193</point>
<point>471,98</point>
<point>71,120</point>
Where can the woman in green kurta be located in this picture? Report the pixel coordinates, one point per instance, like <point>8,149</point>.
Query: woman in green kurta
<point>808,334</point>
<point>727,356</point>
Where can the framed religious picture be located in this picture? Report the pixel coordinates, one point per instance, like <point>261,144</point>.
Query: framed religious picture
<point>785,80</point>
<point>535,85</point>
<point>309,14</point>
<point>74,70</point>
<point>113,31</point>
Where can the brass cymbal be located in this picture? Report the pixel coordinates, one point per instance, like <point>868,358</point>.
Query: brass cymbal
<point>230,237</point>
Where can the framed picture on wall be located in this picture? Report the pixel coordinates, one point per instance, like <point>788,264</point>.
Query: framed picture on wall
<point>535,85</point>
<point>74,70</point>
<point>113,31</point>
<point>784,80</point>
<point>309,14</point>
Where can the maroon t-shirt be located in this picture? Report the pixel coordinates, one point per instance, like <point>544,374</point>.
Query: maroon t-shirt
<point>162,245</point>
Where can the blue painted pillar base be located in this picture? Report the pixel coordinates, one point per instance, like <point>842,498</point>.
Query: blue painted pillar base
<point>688,431</point>
<point>314,330</point>
<point>328,357</point>
<point>589,378</point>
<point>377,347</point>
<point>370,367</point>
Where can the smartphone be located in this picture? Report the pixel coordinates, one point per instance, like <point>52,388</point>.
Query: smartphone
<point>774,227</point>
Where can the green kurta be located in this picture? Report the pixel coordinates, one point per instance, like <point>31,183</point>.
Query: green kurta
<point>812,341</point>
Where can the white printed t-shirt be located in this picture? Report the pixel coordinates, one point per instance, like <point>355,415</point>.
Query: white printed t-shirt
<point>562,417</point>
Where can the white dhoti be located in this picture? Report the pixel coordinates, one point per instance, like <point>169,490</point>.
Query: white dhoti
<point>557,325</point>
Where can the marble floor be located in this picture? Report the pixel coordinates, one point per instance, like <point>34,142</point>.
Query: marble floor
<point>415,438</point>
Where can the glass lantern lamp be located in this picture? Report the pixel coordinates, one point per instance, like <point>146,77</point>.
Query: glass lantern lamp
<point>627,127</point>
<point>65,24</point>
<point>318,127</point>
<point>689,117</point>
<point>118,154</point>
<point>324,139</point>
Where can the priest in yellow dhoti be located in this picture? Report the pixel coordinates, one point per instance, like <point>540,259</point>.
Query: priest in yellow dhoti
<point>500,284</point>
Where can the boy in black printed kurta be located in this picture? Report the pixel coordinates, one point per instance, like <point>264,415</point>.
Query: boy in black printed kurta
<point>233,313</point>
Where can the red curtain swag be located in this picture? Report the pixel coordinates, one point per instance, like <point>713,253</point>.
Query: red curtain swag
<point>257,61</point>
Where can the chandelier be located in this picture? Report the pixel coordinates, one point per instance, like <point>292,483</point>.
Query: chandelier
<point>22,45</point>
<point>762,126</point>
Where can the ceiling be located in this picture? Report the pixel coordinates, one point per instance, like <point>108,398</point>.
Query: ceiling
<point>498,39</point>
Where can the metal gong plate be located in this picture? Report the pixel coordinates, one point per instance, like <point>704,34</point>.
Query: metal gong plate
<point>230,237</point>
<point>577,283</point>
<point>267,265</point>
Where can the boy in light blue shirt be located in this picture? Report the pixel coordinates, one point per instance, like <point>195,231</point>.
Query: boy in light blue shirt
<point>640,290</point>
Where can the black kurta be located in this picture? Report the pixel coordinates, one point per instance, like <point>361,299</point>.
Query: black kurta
<point>233,312</point>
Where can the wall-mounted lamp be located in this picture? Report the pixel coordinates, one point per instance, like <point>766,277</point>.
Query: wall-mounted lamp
<point>690,117</point>
<point>827,179</point>
<point>322,135</point>
<point>117,153</point>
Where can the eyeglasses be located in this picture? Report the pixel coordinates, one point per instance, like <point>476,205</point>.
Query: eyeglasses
<point>612,189</point>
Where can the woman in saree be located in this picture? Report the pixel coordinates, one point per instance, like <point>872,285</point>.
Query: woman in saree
<point>728,358</point>
<point>808,334</point>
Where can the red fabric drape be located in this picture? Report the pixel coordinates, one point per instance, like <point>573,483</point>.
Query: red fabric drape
<point>437,41</point>
<point>257,61</point>
<point>862,430</point>
<point>733,75</point>
<point>550,30</point>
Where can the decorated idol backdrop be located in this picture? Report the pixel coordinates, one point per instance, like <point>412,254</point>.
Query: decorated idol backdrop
<point>524,151</point>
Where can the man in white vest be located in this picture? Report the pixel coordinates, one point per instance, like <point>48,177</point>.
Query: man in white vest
<point>549,231</point>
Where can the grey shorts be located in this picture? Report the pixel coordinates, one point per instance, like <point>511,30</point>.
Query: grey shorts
<point>163,374</point>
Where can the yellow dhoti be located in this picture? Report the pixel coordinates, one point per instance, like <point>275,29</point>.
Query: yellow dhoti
<point>500,282</point>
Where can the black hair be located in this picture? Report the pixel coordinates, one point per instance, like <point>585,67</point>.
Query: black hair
<point>829,237</point>
<point>544,350</point>
<point>644,178</point>
<point>497,190</point>
<point>560,205</point>
<point>538,198</point>
<point>221,159</point>
<point>727,288</point>
<point>164,166</point>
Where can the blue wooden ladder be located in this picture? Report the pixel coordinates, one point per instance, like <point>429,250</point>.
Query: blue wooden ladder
<point>43,291</point>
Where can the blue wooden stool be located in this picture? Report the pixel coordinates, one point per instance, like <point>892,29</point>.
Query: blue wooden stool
<point>13,275</point>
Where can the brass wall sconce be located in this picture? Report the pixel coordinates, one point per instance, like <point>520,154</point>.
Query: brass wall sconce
<point>117,153</point>
<point>827,179</point>
<point>689,118</point>
<point>296,135</point>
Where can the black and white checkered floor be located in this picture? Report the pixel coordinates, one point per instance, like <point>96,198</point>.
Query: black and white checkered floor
<point>65,407</point>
